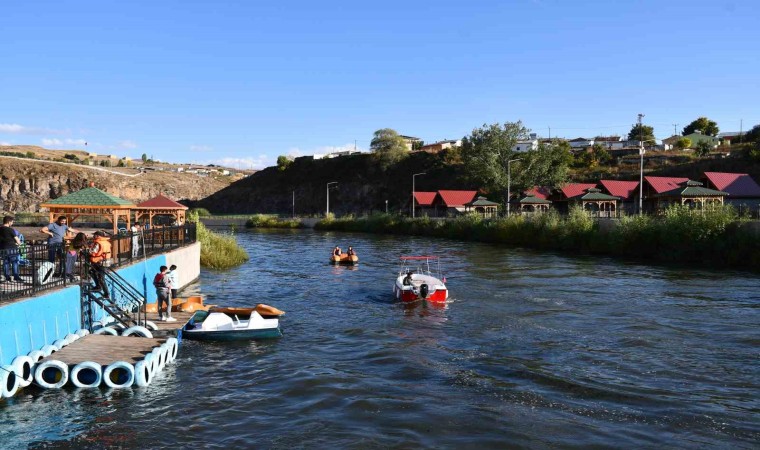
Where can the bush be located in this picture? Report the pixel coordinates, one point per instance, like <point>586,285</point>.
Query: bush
<point>265,221</point>
<point>200,212</point>
<point>218,251</point>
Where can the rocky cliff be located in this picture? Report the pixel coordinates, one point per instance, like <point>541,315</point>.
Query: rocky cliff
<point>25,183</point>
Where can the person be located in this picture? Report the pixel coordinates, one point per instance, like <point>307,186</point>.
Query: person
<point>78,244</point>
<point>161,283</point>
<point>57,232</point>
<point>9,243</point>
<point>350,251</point>
<point>135,229</point>
<point>336,252</point>
<point>408,278</point>
<point>172,274</point>
<point>100,258</point>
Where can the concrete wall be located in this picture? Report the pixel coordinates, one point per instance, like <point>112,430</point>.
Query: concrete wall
<point>29,324</point>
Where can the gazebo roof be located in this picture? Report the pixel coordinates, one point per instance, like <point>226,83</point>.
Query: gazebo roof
<point>161,202</point>
<point>692,189</point>
<point>481,201</point>
<point>594,194</point>
<point>533,200</point>
<point>89,197</point>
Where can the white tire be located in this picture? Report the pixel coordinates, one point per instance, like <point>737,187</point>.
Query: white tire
<point>70,338</point>
<point>150,361</point>
<point>48,350</point>
<point>51,374</point>
<point>137,331</point>
<point>143,373</point>
<point>118,375</point>
<point>60,343</point>
<point>82,332</point>
<point>9,382</point>
<point>23,366</point>
<point>87,374</point>
<point>118,326</point>
<point>106,330</point>
<point>36,356</point>
<point>173,348</point>
<point>149,325</point>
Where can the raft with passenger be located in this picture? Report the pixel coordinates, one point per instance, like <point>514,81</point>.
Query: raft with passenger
<point>344,258</point>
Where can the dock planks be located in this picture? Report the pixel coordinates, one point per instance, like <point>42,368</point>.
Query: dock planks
<point>105,349</point>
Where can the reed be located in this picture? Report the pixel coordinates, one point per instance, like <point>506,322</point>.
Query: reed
<point>266,221</point>
<point>218,251</point>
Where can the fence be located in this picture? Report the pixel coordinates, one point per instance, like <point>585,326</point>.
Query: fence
<point>34,268</point>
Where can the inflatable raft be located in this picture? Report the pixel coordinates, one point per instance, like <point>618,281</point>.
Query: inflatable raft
<point>344,259</point>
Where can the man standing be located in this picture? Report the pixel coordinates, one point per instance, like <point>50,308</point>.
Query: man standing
<point>161,283</point>
<point>135,240</point>
<point>172,274</point>
<point>57,232</point>
<point>9,243</point>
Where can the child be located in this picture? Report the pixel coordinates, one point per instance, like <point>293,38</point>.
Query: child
<point>172,274</point>
<point>161,282</point>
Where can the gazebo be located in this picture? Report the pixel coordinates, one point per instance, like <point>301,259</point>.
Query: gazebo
<point>482,205</point>
<point>599,203</point>
<point>531,204</point>
<point>691,193</point>
<point>160,205</point>
<point>90,202</point>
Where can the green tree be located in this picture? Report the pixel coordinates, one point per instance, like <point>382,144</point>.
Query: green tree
<point>546,166</point>
<point>416,145</point>
<point>641,133</point>
<point>600,154</point>
<point>283,162</point>
<point>144,157</point>
<point>683,143</point>
<point>703,148</point>
<point>753,135</point>
<point>704,125</point>
<point>388,146</point>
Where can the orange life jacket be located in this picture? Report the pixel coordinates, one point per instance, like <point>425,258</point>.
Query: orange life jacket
<point>103,251</point>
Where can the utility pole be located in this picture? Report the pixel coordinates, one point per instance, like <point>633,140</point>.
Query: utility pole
<point>550,133</point>
<point>509,181</point>
<point>294,203</point>
<point>741,128</point>
<point>675,125</point>
<point>413,176</point>
<point>641,152</point>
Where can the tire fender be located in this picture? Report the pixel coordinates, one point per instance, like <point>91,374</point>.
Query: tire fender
<point>36,356</point>
<point>143,373</point>
<point>70,338</point>
<point>9,382</point>
<point>60,343</point>
<point>51,374</point>
<point>137,330</point>
<point>23,366</point>
<point>118,375</point>
<point>48,350</point>
<point>87,374</point>
<point>106,330</point>
<point>82,332</point>
<point>173,348</point>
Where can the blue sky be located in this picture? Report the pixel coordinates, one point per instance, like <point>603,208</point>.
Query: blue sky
<point>240,82</point>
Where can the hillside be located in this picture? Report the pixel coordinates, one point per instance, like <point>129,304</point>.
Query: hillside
<point>363,187</point>
<point>25,183</point>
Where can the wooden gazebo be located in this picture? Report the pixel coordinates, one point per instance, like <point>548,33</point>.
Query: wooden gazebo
<point>90,202</point>
<point>691,193</point>
<point>599,204</point>
<point>531,204</point>
<point>160,205</point>
<point>483,206</point>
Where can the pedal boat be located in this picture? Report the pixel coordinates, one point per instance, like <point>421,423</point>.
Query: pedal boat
<point>220,326</point>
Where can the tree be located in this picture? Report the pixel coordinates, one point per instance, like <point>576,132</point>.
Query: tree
<point>546,166</point>
<point>416,145</point>
<point>683,143</point>
<point>703,148</point>
<point>753,135</point>
<point>601,155</point>
<point>144,157</point>
<point>283,162</point>
<point>389,147</point>
<point>704,125</point>
<point>642,133</point>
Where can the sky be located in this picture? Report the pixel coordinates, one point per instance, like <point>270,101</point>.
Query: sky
<point>239,83</point>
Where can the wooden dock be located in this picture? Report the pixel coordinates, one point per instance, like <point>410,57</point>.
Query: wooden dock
<point>105,349</point>
<point>166,329</point>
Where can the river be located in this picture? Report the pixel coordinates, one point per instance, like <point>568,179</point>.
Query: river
<point>533,350</point>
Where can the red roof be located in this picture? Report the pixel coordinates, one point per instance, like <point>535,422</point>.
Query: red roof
<point>161,202</point>
<point>456,198</point>
<point>736,184</point>
<point>664,184</point>
<point>575,189</point>
<point>622,189</point>
<point>542,192</point>
<point>424,198</point>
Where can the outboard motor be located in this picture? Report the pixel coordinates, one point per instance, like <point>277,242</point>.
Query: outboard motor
<point>424,289</point>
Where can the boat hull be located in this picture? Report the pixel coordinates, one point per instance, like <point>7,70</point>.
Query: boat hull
<point>437,293</point>
<point>344,259</point>
<point>231,335</point>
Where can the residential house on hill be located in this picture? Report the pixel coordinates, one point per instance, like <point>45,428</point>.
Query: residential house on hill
<point>438,146</point>
<point>729,137</point>
<point>580,143</point>
<point>525,145</point>
<point>698,137</point>
<point>410,141</point>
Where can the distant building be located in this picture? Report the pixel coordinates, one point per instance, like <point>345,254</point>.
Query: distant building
<point>410,141</point>
<point>438,146</point>
<point>729,137</point>
<point>113,156</point>
<point>579,143</point>
<point>698,137</point>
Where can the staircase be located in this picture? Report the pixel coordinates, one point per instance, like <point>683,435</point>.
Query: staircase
<point>124,303</point>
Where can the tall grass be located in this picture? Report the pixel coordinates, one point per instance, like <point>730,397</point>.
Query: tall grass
<point>266,221</point>
<point>218,251</point>
<point>712,236</point>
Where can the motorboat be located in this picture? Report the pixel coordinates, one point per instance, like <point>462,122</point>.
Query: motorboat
<point>417,282</point>
<point>224,324</point>
<point>344,258</point>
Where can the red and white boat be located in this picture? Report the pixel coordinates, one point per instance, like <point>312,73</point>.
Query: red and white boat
<point>417,282</point>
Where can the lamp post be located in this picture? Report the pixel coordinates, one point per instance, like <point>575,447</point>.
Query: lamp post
<point>294,203</point>
<point>641,177</point>
<point>509,181</point>
<point>421,173</point>
<point>386,207</point>
<point>327,211</point>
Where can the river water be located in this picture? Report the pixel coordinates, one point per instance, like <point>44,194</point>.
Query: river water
<point>533,350</point>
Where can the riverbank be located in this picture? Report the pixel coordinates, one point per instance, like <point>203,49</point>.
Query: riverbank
<point>717,237</point>
<point>218,251</point>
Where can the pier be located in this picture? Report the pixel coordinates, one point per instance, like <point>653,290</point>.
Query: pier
<point>105,350</point>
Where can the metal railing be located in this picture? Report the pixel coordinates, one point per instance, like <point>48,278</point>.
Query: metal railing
<point>34,268</point>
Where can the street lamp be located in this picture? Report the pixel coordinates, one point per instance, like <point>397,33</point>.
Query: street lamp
<point>641,179</point>
<point>386,207</point>
<point>421,173</point>
<point>327,212</point>
<point>509,181</point>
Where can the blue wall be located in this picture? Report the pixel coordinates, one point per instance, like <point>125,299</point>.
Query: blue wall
<point>29,324</point>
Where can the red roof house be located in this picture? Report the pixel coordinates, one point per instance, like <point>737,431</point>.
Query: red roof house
<point>663,184</point>
<point>424,198</point>
<point>738,185</point>
<point>161,202</point>
<point>159,205</point>
<point>571,190</point>
<point>622,189</point>
<point>454,199</point>
<point>542,192</point>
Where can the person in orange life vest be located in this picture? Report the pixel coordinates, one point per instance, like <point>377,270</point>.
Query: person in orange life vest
<point>100,258</point>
